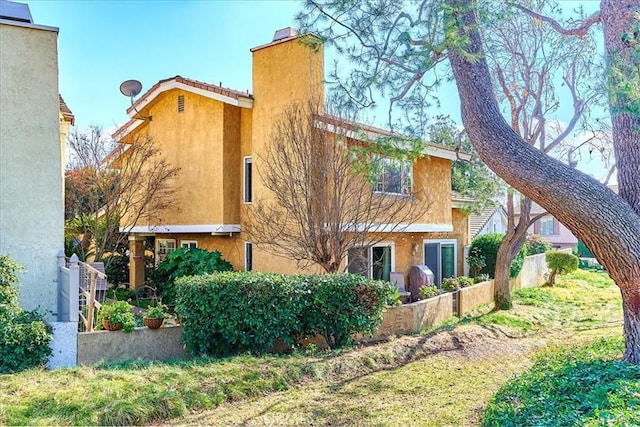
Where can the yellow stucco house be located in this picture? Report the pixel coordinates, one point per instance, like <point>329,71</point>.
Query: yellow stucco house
<point>216,135</point>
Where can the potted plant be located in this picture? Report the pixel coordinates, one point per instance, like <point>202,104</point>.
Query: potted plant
<point>117,315</point>
<point>154,316</point>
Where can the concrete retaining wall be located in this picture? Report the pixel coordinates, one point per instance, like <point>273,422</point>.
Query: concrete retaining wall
<point>474,296</point>
<point>414,317</point>
<point>142,343</point>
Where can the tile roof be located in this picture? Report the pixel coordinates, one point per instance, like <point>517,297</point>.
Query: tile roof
<point>479,220</point>
<point>231,93</point>
<point>354,126</point>
<point>66,112</point>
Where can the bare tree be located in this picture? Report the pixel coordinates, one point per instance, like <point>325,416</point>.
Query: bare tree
<point>114,187</point>
<point>394,45</point>
<point>321,201</point>
<point>527,58</point>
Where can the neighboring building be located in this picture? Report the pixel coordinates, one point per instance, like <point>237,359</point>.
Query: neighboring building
<point>32,120</point>
<point>492,219</point>
<point>217,135</point>
<point>549,228</point>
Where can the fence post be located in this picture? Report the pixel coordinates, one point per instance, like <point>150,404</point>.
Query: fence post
<point>61,302</point>
<point>74,288</point>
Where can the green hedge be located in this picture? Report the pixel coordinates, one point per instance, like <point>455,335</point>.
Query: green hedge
<point>185,262</point>
<point>226,313</point>
<point>24,336</point>
<point>483,252</point>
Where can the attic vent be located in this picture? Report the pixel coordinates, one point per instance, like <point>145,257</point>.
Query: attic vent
<point>180,103</point>
<point>284,33</point>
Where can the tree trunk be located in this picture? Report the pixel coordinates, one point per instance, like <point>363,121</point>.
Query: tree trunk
<point>502,291</point>
<point>606,222</point>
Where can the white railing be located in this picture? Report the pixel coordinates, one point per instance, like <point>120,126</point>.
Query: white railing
<point>77,300</point>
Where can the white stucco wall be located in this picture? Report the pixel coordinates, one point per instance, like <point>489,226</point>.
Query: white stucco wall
<point>31,174</point>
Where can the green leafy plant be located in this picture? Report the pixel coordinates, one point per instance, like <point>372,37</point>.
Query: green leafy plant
<point>481,278</point>
<point>118,312</point>
<point>156,312</point>
<point>24,336</point>
<point>225,313</point>
<point>560,263</point>
<point>428,291</point>
<point>186,262</point>
<point>486,246</point>
<point>451,284</point>
<point>536,244</point>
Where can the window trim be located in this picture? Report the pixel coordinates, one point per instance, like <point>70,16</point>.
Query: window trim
<point>247,184</point>
<point>370,247</point>
<point>182,242</point>
<point>441,242</point>
<point>164,255</point>
<point>409,188</point>
<point>248,263</point>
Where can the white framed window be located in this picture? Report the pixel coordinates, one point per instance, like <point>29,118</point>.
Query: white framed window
<point>248,256</point>
<point>189,244</point>
<point>164,247</point>
<point>375,262</point>
<point>392,176</point>
<point>441,257</point>
<point>248,180</point>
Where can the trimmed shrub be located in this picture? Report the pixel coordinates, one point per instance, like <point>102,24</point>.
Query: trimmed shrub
<point>186,262</point>
<point>485,247</point>
<point>24,336</point>
<point>536,244</point>
<point>226,313</point>
<point>560,263</point>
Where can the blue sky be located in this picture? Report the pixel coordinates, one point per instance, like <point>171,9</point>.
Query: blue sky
<point>103,43</point>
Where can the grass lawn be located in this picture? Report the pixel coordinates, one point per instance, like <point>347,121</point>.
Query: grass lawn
<point>445,377</point>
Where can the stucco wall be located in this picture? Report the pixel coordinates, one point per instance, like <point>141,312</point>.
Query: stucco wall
<point>473,296</point>
<point>414,317</point>
<point>31,189</point>
<point>142,343</point>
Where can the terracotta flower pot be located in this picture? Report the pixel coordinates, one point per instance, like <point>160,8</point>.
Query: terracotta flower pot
<point>110,326</point>
<point>152,323</point>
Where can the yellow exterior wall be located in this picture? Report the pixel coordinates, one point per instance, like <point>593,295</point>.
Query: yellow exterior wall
<point>31,159</point>
<point>206,148</point>
<point>210,140</point>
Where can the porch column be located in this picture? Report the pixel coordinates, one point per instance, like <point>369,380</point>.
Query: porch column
<point>136,261</point>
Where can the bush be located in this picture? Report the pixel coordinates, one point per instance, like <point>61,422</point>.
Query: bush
<point>481,278</point>
<point>451,284</point>
<point>560,263</point>
<point>536,244</point>
<point>24,336</point>
<point>186,262</point>
<point>226,313</point>
<point>428,291</point>
<point>485,247</point>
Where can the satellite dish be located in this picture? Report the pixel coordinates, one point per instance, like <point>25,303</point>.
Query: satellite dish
<point>131,88</point>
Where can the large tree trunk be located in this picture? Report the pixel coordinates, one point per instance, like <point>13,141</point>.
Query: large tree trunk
<point>608,224</point>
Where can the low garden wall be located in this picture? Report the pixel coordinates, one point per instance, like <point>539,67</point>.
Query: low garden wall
<point>142,343</point>
<point>474,296</point>
<point>414,317</point>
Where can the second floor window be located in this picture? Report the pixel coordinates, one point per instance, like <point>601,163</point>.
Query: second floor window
<point>248,163</point>
<point>392,176</point>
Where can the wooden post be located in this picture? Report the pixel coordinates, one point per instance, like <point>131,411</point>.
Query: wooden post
<point>136,261</point>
